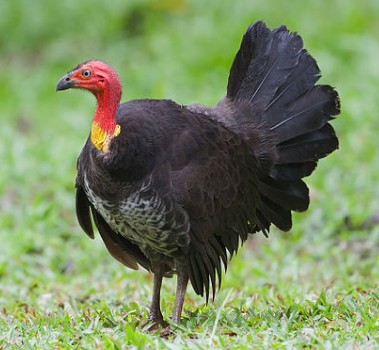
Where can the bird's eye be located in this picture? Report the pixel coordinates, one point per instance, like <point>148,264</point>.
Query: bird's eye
<point>86,73</point>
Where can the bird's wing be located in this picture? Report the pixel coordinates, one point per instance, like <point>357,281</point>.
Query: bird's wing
<point>120,248</point>
<point>214,178</point>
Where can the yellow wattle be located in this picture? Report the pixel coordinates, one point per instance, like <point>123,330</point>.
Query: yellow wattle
<point>100,138</point>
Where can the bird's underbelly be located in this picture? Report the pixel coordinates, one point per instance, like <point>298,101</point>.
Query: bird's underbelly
<point>141,217</point>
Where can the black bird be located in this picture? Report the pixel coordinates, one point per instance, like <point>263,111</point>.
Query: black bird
<point>177,189</point>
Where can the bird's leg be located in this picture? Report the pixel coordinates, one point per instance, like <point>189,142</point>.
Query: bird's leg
<point>181,286</point>
<point>155,317</point>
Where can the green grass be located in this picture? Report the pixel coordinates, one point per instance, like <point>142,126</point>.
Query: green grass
<point>314,287</point>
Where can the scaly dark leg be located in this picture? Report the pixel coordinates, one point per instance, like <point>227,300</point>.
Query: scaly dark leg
<point>181,286</point>
<point>155,317</point>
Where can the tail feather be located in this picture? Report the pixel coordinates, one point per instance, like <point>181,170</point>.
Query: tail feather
<point>271,68</point>
<point>248,50</point>
<point>292,171</point>
<point>308,113</point>
<point>276,77</point>
<point>276,214</point>
<point>289,194</point>
<point>302,77</point>
<point>308,147</point>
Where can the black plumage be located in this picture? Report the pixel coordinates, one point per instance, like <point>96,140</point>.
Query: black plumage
<point>181,187</point>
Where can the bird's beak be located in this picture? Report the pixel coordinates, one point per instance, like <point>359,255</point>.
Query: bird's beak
<point>65,83</point>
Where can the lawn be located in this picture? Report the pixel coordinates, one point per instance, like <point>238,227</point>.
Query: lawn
<point>314,287</point>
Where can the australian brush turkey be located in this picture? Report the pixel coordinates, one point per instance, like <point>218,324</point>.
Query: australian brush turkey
<point>177,189</point>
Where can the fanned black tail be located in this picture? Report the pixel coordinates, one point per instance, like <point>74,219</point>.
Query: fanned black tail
<point>276,76</point>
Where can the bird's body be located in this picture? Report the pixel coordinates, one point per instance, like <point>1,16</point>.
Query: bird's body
<point>177,189</point>
<point>175,173</point>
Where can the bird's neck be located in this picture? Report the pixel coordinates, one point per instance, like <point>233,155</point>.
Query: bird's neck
<point>104,127</point>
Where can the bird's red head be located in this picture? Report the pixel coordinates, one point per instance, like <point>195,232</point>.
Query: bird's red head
<point>94,76</point>
<point>100,79</point>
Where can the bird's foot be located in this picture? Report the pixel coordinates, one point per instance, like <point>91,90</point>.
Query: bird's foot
<point>158,327</point>
<point>154,323</point>
<point>166,332</point>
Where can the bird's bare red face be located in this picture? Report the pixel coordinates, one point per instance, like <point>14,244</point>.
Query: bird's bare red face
<point>102,81</point>
<point>94,76</point>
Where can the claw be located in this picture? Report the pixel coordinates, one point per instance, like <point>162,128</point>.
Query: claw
<point>152,325</point>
